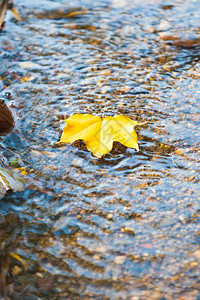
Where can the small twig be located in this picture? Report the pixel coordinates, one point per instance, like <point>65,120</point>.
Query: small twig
<point>23,137</point>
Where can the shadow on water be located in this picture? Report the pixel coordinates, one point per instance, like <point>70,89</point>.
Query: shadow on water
<point>125,226</point>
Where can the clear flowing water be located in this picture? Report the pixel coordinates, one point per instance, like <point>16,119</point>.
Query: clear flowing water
<point>126,226</point>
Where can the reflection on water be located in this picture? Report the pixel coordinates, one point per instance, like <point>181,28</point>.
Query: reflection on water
<point>125,226</point>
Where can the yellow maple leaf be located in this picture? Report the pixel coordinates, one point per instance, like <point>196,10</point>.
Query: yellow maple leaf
<point>100,133</point>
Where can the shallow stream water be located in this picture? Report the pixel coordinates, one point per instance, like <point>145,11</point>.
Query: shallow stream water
<point>126,226</point>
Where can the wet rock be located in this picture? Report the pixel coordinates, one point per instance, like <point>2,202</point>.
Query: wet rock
<point>128,230</point>
<point>182,41</point>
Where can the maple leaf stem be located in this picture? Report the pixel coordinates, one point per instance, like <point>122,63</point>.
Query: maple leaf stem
<point>104,110</point>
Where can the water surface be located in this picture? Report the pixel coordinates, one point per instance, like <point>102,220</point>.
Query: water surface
<point>125,226</point>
